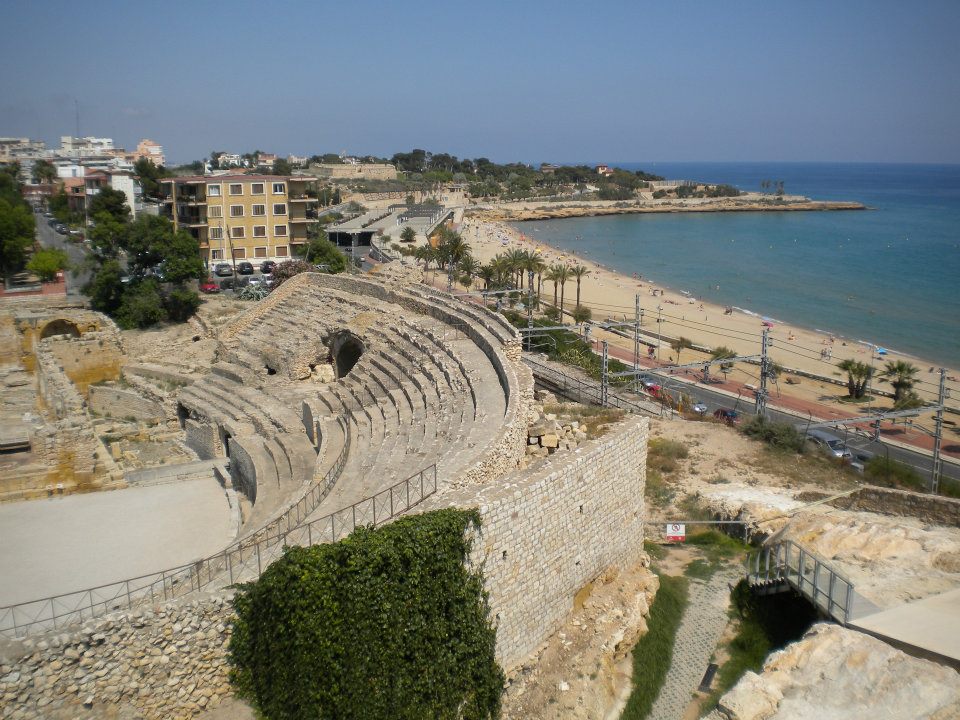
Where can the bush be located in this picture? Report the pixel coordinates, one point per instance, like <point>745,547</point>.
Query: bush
<point>582,314</point>
<point>387,623</point>
<point>652,654</point>
<point>141,306</point>
<point>46,263</point>
<point>662,455</point>
<point>779,435</point>
<point>880,470</point>
<point>181,304</point>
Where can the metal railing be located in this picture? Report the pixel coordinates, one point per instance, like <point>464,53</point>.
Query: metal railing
<point>241,562</point>
<point>585,391</point>
<point>791,563</point>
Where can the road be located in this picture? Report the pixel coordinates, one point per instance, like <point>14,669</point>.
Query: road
<point>76,252</point>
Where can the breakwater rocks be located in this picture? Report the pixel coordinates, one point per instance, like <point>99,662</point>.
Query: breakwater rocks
<point>546,212</point>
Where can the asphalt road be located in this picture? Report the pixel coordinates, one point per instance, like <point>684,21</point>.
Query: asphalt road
<point>857,442</point>
<point>76,251</point>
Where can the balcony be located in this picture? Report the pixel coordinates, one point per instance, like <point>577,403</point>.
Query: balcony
<point>191,219</point>
<point>308,216</point>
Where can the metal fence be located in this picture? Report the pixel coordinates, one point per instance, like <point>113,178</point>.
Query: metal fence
<point>585,391</point>
<point>241,562</point>
<point>809,575</point>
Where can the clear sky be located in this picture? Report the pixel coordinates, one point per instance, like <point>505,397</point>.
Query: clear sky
<point>533,81</point>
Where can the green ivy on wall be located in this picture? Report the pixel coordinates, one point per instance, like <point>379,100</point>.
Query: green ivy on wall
<point>387,623</point>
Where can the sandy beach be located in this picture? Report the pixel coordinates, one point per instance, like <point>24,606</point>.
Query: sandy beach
<point>611,295</point>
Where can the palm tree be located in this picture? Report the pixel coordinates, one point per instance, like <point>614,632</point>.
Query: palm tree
<point>579,272</point>
<point>563,274</point>
<point>858,375</point>
<point>722,352</point>
<point>515,260</point>
<point>539,267</point>
<point>425,253</point>
<point>679,344</point>
<point>469,266</point>
<point>553,275</point>
<point>902,376</point>
<point>486,273</point>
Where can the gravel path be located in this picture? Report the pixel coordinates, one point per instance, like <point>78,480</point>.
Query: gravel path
<point>697,638</point>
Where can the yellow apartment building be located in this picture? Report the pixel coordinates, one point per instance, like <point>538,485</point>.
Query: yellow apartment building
<point>252,217</point>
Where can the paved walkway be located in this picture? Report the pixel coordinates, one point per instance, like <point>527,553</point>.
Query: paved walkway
<point>697,638</point>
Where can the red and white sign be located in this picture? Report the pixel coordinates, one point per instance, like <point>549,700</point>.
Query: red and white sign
<point>676,532</point>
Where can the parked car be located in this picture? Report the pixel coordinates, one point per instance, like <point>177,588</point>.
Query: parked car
<point>267,266</point>
<point>61,228</point>
<point>209,286</point>
<point>830,444</point>
<point>222,270</point>
<point>727,415</point>
<point>245,268</point>
<point>700,409</point>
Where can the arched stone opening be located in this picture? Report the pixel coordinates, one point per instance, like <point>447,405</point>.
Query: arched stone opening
<point>182,415</point>
<point>59,327</point>
<point>345,349</point>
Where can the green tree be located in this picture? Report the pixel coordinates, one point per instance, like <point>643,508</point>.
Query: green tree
<point>722,352</point>
<point>150,176</point>
<point>141,305</point>
<point>17,235</point>
<point>110,201</point>
<point>46,263</point>
<point>107,235</point>
<point>680,344</point>
<point>44,171</point>
<point>408,234</point>
<point>105,288</point>
<point>858,376</point>
<point>282,167</point>
<point>902,376</point>
<point>320,251</point>
<point>582,314</point>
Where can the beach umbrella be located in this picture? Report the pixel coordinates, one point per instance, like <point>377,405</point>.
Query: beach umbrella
<point>767,323</point>
<point>881,351</point>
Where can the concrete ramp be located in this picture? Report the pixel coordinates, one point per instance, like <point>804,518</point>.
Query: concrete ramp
<point>928,628</point>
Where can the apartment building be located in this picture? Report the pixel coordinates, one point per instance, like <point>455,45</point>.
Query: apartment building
<point>252,217</point>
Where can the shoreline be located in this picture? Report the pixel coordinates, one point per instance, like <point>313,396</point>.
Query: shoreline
<point>522,212</point>
<point>610,293</point>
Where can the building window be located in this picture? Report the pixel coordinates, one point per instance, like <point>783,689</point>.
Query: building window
<point>279,209</point>
<point>256,189</point>
<point>239,253</point>
<point>260,252</point>
<point>280,251</point>
<point>279,188</point>
<point>216,233</point>
<point>216,254</point>
<point>236,189</point>
<point>280,230</point>
<point>297,249</point>
<point>259,210</point>
<point>236,211</point>
<point>259,230</point>
<point>214,211</point>
<point>236,232</point>
<point>213,190</point>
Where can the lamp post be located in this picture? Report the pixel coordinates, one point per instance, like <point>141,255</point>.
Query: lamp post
<point>659,312</point>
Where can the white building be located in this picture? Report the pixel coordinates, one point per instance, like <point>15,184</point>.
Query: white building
<point>79,147</point>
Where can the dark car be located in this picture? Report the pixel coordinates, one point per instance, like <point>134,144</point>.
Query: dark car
<point>726,415</point>
<point>267,266</point>
<point>223,270</point>
<point>245,268</point>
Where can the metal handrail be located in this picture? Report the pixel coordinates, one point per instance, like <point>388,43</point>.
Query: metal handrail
<point>807,573</point>
<point>241,562</point>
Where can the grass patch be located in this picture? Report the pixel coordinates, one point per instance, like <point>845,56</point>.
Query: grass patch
<point>664,455</point>
<point>779,435</point>
<point>652,654</point>
<point>657,552</point>
<point>716,545</point>
<point>700,569</point>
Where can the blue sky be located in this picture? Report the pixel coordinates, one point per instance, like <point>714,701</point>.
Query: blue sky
<point>531,81</point>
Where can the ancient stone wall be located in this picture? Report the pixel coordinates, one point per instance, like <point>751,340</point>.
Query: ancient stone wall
<point>203,438</point>
<point>548,534</point>
<point>169,662</point>
<point>887,501</point>
<point>57,393</point>
<point>243,469</point>
<point>90,359</point>
<point>120,403</point>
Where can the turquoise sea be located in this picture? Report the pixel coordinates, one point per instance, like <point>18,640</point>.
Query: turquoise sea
<point>889,275</point>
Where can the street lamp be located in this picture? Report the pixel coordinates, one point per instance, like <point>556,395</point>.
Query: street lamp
<point>659,311</point>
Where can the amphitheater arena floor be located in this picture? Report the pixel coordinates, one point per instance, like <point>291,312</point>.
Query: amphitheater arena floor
<point>48,547</point>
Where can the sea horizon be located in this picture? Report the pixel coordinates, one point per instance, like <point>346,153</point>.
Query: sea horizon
<point>884,276</point>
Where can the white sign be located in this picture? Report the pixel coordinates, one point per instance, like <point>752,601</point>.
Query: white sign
<point>676,532</point>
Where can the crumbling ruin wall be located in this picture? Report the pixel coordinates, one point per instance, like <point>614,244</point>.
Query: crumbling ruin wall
<point>87,360</point>
<point>203,438</point>
<point>934,509</point>
<point>120,403</point>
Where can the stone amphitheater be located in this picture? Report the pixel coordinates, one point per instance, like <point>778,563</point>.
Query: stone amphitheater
<point>339,401</point>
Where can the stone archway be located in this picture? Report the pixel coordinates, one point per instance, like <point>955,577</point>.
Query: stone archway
<point>345,349</point>
<point>60,327</point>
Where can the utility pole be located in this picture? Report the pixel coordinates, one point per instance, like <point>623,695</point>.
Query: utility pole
<point>604,380</point>
<point>938,433</point>
<point>761,400</point>
<point>636,339</point>
<point>529,305</point>
<point>450,275</point>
